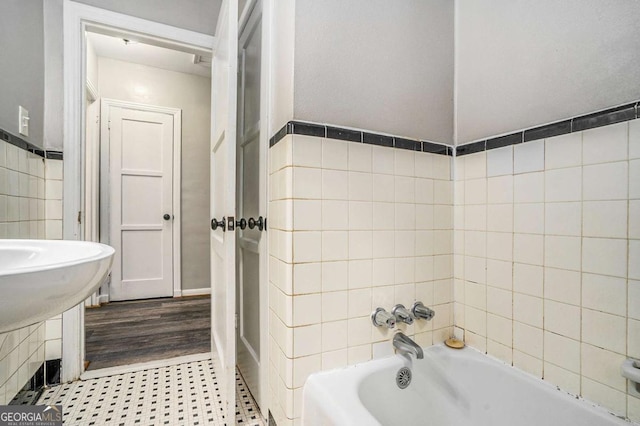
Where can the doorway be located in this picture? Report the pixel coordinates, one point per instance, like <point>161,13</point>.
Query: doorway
<point>78,18</point>
<point>154,121</point>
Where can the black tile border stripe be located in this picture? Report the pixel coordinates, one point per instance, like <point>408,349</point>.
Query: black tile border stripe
<point>29,147</point>
<point>357,136</point>
<point>577,124</point>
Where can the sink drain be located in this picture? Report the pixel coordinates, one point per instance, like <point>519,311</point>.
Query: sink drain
<point>403,377</point>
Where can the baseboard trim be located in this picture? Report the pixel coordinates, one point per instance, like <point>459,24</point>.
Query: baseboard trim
<point>195,292</point>
<point>132,368</point>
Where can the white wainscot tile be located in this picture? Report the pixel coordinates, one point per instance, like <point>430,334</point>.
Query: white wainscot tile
<point>604,293</point>
<point>604,330</point>
<point>562,252</point>
<point>529,187</point>
<point>562,285</point>
<point>528,157</point>
<point>529,218</point>
<point>528,309</point>
<point>605,144</point>
<point>360,157</point>
<point>334,185</point>
<point>604,256</point>
<point>335,154</point>
<point>563,184</point>
<point>500,190</point>
<point>563,219</point>
<point>500,161</point>
<point>606,219</point>
<point>307,151</point>
<point>563,151</point>
<point>605,181</point>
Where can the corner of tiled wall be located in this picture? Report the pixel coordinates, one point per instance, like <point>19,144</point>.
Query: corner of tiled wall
<point>22,212</point>
<point>354,226</point>
<point>53,231</point>
<point>547,255</point>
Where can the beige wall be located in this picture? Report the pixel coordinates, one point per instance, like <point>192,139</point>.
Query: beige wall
<point>352,227</point>
<point>376,65</point>
<point>522,64</point>
<point>142,84</point>
<point>547,255</point>
<point>22,71</point>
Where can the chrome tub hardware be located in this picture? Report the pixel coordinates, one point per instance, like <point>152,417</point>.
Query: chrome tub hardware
<point>630,369</point>
<point>403,377</point>
<point>402,314</point>
<point>381,318</point>
<point>406,345</point>
<point>420,311</point>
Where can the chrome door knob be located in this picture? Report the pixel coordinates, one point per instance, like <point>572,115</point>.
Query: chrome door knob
<point>259,223</point>
<point>215,224</point>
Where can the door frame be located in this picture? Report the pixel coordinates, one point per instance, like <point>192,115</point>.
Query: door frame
<point>77,18</point>
<point>105,175</point>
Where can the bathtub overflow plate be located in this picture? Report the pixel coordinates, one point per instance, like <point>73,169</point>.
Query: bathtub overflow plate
<point>403,377</point>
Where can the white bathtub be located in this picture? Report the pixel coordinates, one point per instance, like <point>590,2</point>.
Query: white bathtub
<point>448,387</point>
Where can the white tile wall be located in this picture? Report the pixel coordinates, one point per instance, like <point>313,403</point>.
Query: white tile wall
<point>30,207</point>
<point>362,226</point>
<point>22,215</point>
<point>562,249</point>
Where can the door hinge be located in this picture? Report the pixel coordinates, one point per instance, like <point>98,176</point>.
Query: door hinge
<point>236,319</point>
<point>80,218</point>
<point>109,125</point>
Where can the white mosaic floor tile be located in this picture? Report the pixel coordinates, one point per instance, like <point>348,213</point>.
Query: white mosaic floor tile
<point>185,394</point>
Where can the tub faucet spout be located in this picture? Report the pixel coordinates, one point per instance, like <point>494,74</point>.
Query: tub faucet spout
<point>405,344</point>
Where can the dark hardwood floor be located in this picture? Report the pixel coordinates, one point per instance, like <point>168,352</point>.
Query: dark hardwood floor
<point>122,333</point>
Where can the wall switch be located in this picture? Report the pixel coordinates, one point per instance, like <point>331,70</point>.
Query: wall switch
<point>23,118</point>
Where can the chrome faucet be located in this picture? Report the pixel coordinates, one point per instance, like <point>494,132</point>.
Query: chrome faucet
<point>405,344</point>
<point>382,318</point>
<point>420,311</point>
<point>402,314</point>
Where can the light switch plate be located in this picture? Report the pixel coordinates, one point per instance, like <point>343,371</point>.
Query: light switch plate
<point>23,121</point>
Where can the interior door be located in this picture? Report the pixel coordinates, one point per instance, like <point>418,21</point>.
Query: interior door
<point>223,203</point>
<point>141,181</point>
<point>248,174</point>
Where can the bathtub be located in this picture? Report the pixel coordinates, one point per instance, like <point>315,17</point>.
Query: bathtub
<point>448,387</point>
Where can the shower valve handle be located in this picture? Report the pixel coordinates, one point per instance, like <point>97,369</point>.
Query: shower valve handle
<point>422,312</point>
<point>382,318</point>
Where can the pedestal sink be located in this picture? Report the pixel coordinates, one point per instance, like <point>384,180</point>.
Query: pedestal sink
<point>42,278</point>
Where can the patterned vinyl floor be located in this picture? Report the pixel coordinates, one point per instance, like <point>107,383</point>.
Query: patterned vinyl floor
<point>184,394</point>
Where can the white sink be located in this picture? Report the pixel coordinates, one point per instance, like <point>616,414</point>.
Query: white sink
<point>42,278</point>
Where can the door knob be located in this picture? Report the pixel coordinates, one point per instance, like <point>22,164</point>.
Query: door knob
<point>166,216</point>
<point>218,224</point>
<point>242,223</point>
<point>259,223</point>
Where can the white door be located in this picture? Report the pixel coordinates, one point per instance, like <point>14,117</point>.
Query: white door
<point>223,203</point>
<point>141,202</point>
<point>249,202</point>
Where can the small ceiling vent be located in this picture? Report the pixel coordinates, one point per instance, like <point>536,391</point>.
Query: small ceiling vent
<point>204,61</point>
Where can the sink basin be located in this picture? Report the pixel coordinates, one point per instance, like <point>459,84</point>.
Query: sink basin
<point>42,278</point>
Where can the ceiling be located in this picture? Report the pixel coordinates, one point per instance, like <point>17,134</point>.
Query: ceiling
<point>145,54</point>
